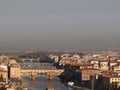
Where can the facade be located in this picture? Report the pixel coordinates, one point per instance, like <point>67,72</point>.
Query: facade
<point>96,66</point>
<point>66,56</point>
<point>94,61</point>
<point>84,66</point>
<point>116,68</point>
<point>112,63</point>
<point>76,57</point>
<point>53,57</point>
<point>104,65</point>
<point>4,58</point>
<point>87,72</point>
<point>15,69</point>
<point>3,73</point>
<point>111,80</point>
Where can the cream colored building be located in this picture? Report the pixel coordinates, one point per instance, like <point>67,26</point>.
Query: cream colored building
<point>87,72</point>
<point>104,65</point>
<point>15,69</point>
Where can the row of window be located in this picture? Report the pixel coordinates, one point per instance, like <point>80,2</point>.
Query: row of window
<point>115,78</point>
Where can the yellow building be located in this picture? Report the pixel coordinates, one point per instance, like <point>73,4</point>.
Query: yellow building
<point>112,80</point>
<point>15,71</point>
<point>115,80</point>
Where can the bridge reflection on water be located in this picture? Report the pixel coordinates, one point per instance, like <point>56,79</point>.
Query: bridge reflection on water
<point>41,82</point>
<point>39,77</point>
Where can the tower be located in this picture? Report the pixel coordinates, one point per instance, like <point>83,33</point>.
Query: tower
<point>109,68</point>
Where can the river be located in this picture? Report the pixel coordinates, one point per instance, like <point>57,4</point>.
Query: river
<point>41,82</point>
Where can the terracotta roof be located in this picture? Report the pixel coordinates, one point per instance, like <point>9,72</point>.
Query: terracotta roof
<point>1,85</point>
<point>111,76</point>
<point>116,64</point>
<point>1,70</point>
<point>89,69</point>
<point>83,64</point>
<point>93,60</point>
<point>113,62</point>
<point>103,61</point>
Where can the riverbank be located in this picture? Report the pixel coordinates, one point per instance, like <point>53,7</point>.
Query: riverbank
<point>74,87</point>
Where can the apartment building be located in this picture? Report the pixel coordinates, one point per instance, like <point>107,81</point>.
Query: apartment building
<point>87,72</point>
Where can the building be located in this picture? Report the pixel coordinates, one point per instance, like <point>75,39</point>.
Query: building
<point>95,63</point>
<point>116,68</point>
<point>53,57</point>
<point>66,56</point>
<point>87,72</point>
<point>76,57</point>
<point>111,80</point>
<point>15,69</point>
<point>4,58</point>
<point>104,65</point>
<point>3,73</point>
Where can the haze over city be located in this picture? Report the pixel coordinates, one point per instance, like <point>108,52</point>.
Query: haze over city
<point>59,24</point>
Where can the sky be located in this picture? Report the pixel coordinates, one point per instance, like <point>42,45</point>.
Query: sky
<point>59,24</point>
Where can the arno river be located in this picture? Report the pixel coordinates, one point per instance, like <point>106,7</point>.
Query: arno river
<point>41,82</point>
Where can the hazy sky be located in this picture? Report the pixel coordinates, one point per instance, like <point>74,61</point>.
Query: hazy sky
<point>59,24</point>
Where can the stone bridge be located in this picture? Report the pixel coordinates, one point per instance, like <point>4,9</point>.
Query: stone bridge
<point>49,73</point>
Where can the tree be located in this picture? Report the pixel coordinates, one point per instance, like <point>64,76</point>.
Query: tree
<point>19,86</point>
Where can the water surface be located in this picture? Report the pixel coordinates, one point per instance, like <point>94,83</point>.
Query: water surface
<point>41,82</point>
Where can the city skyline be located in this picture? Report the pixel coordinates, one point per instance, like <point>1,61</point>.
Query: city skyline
<point>65,25</point>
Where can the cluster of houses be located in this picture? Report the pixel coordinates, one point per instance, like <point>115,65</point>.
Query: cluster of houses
<point>9,68</point>
<point>104,67</point>
<point>101,69</point>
